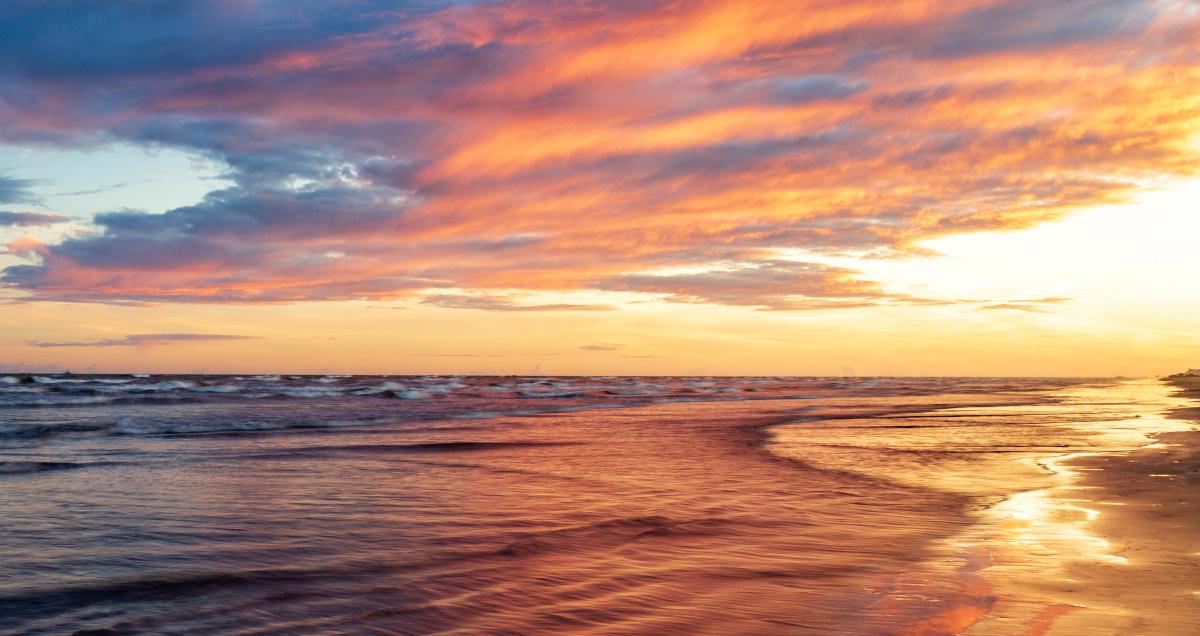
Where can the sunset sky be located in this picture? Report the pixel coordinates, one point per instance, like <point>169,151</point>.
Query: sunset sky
<point>799,187</point>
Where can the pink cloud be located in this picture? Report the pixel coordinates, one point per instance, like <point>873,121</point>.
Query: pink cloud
<point>576,146</point>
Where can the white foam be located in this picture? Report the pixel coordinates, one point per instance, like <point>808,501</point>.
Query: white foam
<point>550,394</point>
<point>310,391</point>
<point>133,427</point>
<point>220,388</point>
<point>44,380</point>
<point>443,388</point>
<point>382,388</point>
<point>167,385</point>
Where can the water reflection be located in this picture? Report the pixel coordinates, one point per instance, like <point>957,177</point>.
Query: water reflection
<point>916,511</point>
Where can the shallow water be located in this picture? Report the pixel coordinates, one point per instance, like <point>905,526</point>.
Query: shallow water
<point>512,505</point>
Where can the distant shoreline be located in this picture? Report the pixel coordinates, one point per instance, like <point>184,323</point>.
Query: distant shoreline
<point>170,374</point>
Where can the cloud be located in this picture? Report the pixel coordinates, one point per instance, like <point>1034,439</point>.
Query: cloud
<point>145,40</point>
<point>378,151</point>
<point>457,355</point>
<point>13,190</point>
<point>28,219</point>
<point>602,346</point>
<point>1049,300</point>
<point>27,247</point>
<point>1032,305</point>
<point>81,193</point>
<point>1013,307</point>
<point>494,303</point>
<point>775,285</point>
<point>145,340</point>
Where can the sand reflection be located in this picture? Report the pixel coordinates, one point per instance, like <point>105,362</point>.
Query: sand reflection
<point>1039,467</point>
<point>1047,523</point>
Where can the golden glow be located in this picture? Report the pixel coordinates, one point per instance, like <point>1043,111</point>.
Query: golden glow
<point>1127,270</point>
<point>1044,524</point>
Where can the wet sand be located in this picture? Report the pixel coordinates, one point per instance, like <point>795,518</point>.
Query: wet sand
<point>1085,511</point>
<point>1112,549</point>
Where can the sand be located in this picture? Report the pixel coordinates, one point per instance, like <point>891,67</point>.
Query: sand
<point>1119,549</point>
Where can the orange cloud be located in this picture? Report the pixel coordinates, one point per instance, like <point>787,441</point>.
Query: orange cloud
<point>571,146</point>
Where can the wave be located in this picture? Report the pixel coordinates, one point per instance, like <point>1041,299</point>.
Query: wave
<point>11,389</point>
<point>550,394</point>
<point>218,388</point>
<point>614,531</point>
<point>203,404</point>
<point>155,427</point>
<point>165,385</point>
<point>442,388</point>
<point>37,602</point>
<point>233,388</point>
<point>382,388</point>
<point>308,392</point>
<point>35,431</point>
<point>45,380</point>
<point>69,401</point>
<point>394,390</point>
<point>25,467</point>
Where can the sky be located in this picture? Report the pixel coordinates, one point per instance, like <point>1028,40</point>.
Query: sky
<point>801,187</point>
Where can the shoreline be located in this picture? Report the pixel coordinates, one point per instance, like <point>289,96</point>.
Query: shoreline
<point>1113,545</point>
<point>1081,506</point>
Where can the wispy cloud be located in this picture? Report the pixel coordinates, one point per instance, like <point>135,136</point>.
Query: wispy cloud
<point>775,285</point>
<point>522,145</point>
<point>602,346</point>
<point>145,340</point>
<point>91,191</point>
<point>30,219</point>
<point>1049,300</point>
<point>1013,307</point>
<point>1032,305</point>
<point>495,303</point>
<point>14,190</point>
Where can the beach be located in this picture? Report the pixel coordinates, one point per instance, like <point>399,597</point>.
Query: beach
<point>1084,515</point>
<point>1124,555</point>
<point>599,506</point>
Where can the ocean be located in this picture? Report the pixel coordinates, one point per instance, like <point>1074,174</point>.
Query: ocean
<point>138,504</point>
